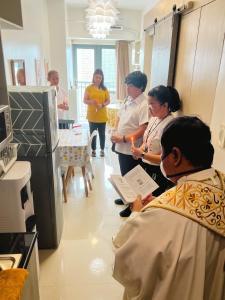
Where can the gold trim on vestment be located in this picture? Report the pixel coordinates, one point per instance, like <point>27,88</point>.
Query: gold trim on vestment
<point>198,201</point>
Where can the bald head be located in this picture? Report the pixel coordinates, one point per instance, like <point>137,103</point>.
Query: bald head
<point>20,75</point>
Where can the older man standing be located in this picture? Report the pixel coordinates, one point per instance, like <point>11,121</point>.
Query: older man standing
<point>131,124</point>
<point>61,97</point>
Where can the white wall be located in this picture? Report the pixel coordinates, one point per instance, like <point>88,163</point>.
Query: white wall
<point>69,59</point>
<point>30,43</point>
<point>130,19</point>
<point>57,34</point>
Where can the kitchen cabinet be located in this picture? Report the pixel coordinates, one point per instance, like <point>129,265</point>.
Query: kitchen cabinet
<point>11,14</point>
<point>10,18</point>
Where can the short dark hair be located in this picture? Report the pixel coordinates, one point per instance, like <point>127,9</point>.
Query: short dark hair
<point>99,72</point>
<point>138,79</point>
<point>168,95</point>
<point>193,137</point>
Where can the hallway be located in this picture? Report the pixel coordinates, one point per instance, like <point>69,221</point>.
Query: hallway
<point>81,267</point>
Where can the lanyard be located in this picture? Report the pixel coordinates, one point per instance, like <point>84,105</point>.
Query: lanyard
<point>152,129</point>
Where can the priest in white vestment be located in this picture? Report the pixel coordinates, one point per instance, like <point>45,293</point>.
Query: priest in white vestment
<point>174,249</point>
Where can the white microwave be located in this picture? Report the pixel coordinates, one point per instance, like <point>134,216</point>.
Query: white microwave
<point>5,126</point>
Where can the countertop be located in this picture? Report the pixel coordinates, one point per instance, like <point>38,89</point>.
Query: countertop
<point>22,242</point>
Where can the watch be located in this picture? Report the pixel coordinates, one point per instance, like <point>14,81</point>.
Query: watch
<point>143,154</point>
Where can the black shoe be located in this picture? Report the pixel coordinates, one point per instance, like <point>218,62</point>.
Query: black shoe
<point>93,154</point>
<point>119,202</point>
<point>126,212</point>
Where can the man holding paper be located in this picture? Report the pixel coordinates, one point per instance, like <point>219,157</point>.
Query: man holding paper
<point>175,247</point>
<point>131,124</point>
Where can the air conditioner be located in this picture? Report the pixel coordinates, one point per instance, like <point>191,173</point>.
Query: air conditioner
<point>117,27</point>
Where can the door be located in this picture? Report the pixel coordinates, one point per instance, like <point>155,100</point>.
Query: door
<point>93,57</point>
<point>164,50</point>
<point>84,57</point>
<point>218,122</point>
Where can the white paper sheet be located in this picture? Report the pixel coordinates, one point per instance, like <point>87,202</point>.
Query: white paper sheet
<point>135,182</point>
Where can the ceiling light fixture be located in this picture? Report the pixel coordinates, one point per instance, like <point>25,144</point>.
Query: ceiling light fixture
<point>101,15</point>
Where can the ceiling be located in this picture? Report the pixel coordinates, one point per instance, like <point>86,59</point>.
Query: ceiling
<point>128,4</point>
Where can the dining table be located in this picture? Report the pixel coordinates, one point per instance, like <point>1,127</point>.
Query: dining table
<point>73,146</point>
<point>73,149</point>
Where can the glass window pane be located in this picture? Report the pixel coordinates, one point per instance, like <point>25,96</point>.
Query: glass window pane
<point>109,69</point>
<point>85,70</point>
<point>85,64</point>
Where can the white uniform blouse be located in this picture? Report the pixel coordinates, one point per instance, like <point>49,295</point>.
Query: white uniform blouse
<point>152,135</point>
<point>133,114</point>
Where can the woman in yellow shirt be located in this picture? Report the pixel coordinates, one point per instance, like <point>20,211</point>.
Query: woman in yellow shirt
<point>96,96</point>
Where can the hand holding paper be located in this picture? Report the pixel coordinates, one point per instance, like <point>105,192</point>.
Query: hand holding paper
<point>137,205</point>
<point>135,182</point>
<point>140,203</point>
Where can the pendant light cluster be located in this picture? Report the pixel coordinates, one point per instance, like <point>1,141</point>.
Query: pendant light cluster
<point>101,15</point>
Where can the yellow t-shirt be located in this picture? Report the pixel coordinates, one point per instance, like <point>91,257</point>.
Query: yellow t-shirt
<point>99,115</point>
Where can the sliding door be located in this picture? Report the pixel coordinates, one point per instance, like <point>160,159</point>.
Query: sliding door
<point>165,34</point>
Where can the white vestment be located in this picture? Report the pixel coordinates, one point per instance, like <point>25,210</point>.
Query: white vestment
<point>166,253</point>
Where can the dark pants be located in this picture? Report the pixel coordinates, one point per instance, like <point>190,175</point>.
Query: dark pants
<point>100,127</point>
<point>63,125</point>
<point>156,174</point>
<point>127,163</point>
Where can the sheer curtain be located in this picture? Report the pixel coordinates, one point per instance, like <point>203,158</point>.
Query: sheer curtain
<point>122,60</point>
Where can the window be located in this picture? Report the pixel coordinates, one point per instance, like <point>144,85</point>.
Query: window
<point>87,58</point>
<point>109,69</point>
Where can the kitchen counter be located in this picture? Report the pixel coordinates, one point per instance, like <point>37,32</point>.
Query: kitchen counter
<point>12,243</point>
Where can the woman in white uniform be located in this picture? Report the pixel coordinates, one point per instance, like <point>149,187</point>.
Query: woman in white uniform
<point>162,102</point>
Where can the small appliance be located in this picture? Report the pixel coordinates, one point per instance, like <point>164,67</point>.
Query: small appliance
<point>5,126</point>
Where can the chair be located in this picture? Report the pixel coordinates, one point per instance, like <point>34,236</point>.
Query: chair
<point>82,160</point>
<point>88,162</point>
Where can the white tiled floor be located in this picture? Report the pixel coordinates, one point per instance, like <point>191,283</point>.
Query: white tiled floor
<point>81,267</point>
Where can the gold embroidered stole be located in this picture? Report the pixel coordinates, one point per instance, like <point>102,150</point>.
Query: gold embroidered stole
<point>198,201</point>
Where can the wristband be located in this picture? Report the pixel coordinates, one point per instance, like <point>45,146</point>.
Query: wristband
<point>124,139</point>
